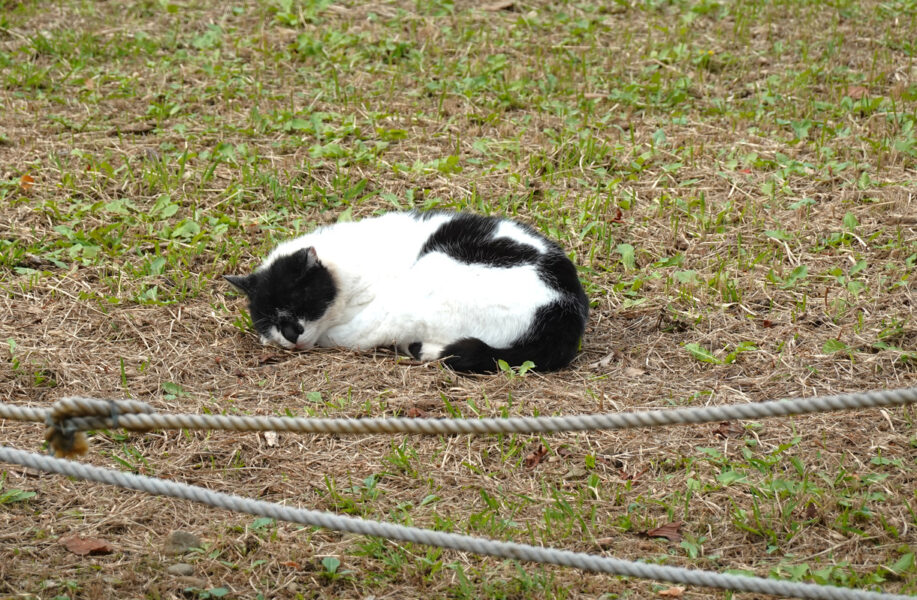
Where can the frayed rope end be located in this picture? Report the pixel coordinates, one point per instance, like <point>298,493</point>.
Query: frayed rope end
<point>66,444</point>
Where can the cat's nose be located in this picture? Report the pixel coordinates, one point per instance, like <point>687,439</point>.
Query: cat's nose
<point>291,331</point>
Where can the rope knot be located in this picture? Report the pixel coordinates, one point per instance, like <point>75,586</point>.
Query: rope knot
<point>70,417</point>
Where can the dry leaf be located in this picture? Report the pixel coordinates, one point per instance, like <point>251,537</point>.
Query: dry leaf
<point>856,91</point>
<point>668,531</point>
<point>605,543</point>
<point>564,452</point>
<point>290,563</point>
<point>35,262</point>
<point>26,182</point>
<point>673,592</point>
<point>536,456</point>
<point>729,429</point>
<point>133,128</point>
<point>576,472</point>
<point>631,476</point>
<point>416,413</point>
<point>270,438</point>
<point>603,362</point>
<point>269,358</point>
<point>86,545</point>
<point>633,372</point>
<point>497,6</point>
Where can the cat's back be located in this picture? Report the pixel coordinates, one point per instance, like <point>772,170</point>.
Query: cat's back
<point>391,239</point>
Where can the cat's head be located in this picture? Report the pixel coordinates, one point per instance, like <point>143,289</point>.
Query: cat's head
<point>287,298</point>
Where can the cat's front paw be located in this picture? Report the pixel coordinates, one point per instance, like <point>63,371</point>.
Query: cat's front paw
<point>425,351</point>
<point>428,352</point>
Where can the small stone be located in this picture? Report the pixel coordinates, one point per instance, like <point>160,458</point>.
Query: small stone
<point>195,582</point>
<point>180,542</point>
<point>180,569</point>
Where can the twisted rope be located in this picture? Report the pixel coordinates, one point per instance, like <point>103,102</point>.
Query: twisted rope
<point>455,541</point>
<point>99,416</point>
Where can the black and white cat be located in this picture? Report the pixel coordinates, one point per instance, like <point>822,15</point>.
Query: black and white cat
<point>460,287</point>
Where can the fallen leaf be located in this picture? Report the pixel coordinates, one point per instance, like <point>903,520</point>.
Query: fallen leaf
<point>26,182</point>
<point>133,128</point>
<point>497,6</point>
<point>605,543</point>
<point>673,592</point>
<point>729,429</point>
<point>619,215</point>
<point>576,472</point>
<point>86,545</point>
<point>35,262</point>
<point>668,531</point>
<point>270,438</point>
<point>565,452</point>
<point>811,511</point>
<point>603,362</point>
<point>268,358</point>
<point>631,476</point>
<point>291,564</point>
<point>536,456</point>
<point>767,323</point>
<point>416,413</point>
<point>856,91</point>
<point>633,372</point>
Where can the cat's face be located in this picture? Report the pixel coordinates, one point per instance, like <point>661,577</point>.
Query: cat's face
<point>288,298</point>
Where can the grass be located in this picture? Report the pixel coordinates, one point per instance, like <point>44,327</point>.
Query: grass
<point>735,181</point>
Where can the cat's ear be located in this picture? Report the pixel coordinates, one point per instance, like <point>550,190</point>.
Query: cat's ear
<point>243,283</point>
<point>308,256</point>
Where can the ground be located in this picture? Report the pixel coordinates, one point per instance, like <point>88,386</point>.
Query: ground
<point>736,183</point>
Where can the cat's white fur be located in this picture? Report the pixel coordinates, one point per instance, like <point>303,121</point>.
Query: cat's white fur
<point>391,297</point>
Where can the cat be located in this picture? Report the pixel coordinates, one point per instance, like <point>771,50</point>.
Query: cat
<point>465,288</point>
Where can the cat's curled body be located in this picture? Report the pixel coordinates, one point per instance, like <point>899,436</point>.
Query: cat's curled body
<point>458,286</point>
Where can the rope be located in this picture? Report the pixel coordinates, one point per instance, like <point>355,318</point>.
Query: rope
<point>135,415</point>
<point>440,539</point>
<point>66,439</point>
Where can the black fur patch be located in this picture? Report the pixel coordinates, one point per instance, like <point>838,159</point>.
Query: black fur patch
<point>469,238</point>
<point>293,287</point>
<point>414,349</point>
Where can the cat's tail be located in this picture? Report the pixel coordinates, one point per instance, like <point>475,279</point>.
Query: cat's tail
<point>552,344</point>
